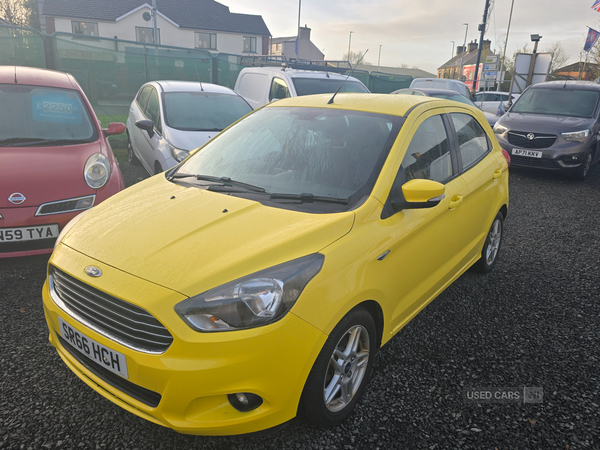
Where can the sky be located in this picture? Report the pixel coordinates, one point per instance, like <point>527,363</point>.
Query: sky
<point>420,33</point>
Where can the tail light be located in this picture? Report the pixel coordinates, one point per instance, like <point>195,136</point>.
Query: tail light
<point>506,156</point>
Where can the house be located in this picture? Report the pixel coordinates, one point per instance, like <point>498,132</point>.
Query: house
<point>466,57</point>
<point>286,46</point>
<point>202,24</point>
<point>578,71</point>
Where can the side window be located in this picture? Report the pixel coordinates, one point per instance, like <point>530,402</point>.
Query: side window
<point>279,89</point>
<point>472,140</point>
<point>478,97</point>
<point>142,98</point>
<point>153,110</point>
<point>428,154</point>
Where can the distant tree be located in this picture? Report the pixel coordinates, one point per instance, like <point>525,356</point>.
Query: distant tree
<point>559,57</point>
<point>355,58</point>
<point>22,13</point>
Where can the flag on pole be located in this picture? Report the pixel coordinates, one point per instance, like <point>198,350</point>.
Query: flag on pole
<point>592,37</point>
<point>596,5</point>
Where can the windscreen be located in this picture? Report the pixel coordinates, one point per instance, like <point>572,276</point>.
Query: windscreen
<point>324,152</point>
<point>203,111</point>
<point>35,113</point>
<point>558,102</point>
<point>310,86</point>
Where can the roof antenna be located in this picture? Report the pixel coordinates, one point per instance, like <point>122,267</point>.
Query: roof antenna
<point>351,72</point>
<point>199,80</point>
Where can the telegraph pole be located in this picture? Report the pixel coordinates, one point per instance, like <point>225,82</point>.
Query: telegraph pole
<point>482,29</point>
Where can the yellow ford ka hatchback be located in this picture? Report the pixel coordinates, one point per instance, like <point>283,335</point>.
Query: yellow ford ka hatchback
<point>256,280</point>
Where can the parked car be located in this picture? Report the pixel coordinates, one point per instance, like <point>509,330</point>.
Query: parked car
<point>305,236</point>
<point>167,119</point>
<point>441,83</point>
<point>262,85</point>
<point>554,126</point>
<point>55,159</point>
<point>490,101</point>
<point>448,95</point>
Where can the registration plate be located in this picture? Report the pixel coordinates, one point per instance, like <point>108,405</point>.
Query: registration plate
<point>21,234</point>
<point>106,357</point>
<point>529,153</point>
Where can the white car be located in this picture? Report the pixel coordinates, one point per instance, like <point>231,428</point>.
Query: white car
<point>441,83</point>
<point>262,85</point>
<point>490,101</point>
<point>167,119</point>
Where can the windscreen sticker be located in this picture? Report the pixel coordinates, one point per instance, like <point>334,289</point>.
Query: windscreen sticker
<point>56,108</point>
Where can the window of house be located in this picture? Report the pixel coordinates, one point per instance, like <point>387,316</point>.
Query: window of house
<point>206,40</point>
<point>144,34</point>
<point>86,28</point>
<point>249,44</point>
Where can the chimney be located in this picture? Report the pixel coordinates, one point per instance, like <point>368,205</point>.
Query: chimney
<point>472,46</point>
<point>305,33</point>
<point>487,44</point>
<point>459,50</point>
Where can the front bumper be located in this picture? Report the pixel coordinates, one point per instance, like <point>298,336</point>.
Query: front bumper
<point>563,155</point>
<point>196,373</point>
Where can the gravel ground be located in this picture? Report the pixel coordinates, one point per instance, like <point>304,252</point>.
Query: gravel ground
<point>534,322</point>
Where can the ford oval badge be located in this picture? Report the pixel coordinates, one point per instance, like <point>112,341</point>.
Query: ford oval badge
<point>16,198</point>
<point>93,271</point>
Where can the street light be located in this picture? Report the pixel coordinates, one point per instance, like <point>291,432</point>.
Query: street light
<point>349,41</point>
<point>462,55</point>
<point>452,54</point>
<point>379,59</point>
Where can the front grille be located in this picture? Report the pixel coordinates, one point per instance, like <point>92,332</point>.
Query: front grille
<point>525,161</point>
<point>112,317</point>
<point>141,394</point>
<point>540,140</point>
<point>25,246</point>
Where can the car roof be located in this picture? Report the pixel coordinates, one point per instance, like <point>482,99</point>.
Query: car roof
<point>569,85</point>
<point>36,77</point>
<point>191,86</point>
<point>299,73</point>
<point>398,105</point>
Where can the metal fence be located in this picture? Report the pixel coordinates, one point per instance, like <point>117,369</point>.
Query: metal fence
<point>111,71</point>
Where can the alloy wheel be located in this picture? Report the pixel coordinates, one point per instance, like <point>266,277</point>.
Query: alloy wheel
<point>494,242</point>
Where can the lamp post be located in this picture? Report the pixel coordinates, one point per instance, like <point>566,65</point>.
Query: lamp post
<point>504,51</point>
<point>379,59</point>
<point>349,42</point>
<point>462,55</point>
<point>452,54</point>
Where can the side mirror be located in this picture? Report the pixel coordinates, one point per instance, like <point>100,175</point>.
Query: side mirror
<point>114,128</point>
<point>147,125</point>
<point>420,194</point>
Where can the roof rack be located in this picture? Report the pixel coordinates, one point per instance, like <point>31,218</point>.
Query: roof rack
<point>283,62</point>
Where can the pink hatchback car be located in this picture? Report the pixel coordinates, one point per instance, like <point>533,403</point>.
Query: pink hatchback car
<point>55,159</point>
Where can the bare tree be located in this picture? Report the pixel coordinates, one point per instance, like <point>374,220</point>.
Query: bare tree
<point>559,56</point>
<point>355,57</point>
<point>22,13</point>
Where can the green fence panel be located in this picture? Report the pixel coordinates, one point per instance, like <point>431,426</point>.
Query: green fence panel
<point>227,69</point>
<point>111,71</point>
<point>362,75</point>
<point>21,47</point>
<point>384,83</point>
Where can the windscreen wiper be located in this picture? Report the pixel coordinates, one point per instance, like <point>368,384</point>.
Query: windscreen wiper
<point>309,198</point>
<point>23,142</point>
<point>17,140</point>
<point>224,180</point>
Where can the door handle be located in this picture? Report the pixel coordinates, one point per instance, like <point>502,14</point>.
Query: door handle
<point>455,201</point>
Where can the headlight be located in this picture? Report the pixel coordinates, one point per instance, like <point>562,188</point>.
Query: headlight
<point>576,136</point>
<point>499,129</point>
<point>178,154</point>
<point>96,171</point>
<point>68,226</point>
<point>252,301</point>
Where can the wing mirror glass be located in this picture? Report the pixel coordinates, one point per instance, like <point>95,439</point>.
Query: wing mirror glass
<point>420,194</point>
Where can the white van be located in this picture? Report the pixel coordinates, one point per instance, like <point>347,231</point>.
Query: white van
<point>262,85</point>
<point>442,83</point>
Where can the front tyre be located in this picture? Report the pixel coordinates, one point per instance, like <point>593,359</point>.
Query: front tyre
<point>491,248</point>
<point>341,371</point>
<point>585,168</point>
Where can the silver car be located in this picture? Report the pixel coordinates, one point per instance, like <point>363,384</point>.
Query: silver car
<point>167,119</point>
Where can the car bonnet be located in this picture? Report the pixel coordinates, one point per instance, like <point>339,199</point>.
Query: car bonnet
<point>190,240</point>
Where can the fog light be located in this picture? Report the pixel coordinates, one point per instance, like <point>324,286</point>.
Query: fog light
<point>575,157</point>
<point>244,401</point>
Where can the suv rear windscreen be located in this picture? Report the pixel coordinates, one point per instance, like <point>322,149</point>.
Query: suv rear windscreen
<point>558,102</point>
<point>310,86</point>
<point>40,115</point>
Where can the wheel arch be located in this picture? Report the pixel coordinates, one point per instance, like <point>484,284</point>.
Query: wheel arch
<point>376,312</point>
<point>504,211</point>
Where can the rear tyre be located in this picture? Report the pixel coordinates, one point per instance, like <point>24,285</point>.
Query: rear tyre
<point>131,158</point>
<point>341,371</point>
<point>157,168</point>
<point>491,248</point>
<point>585,167</point>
